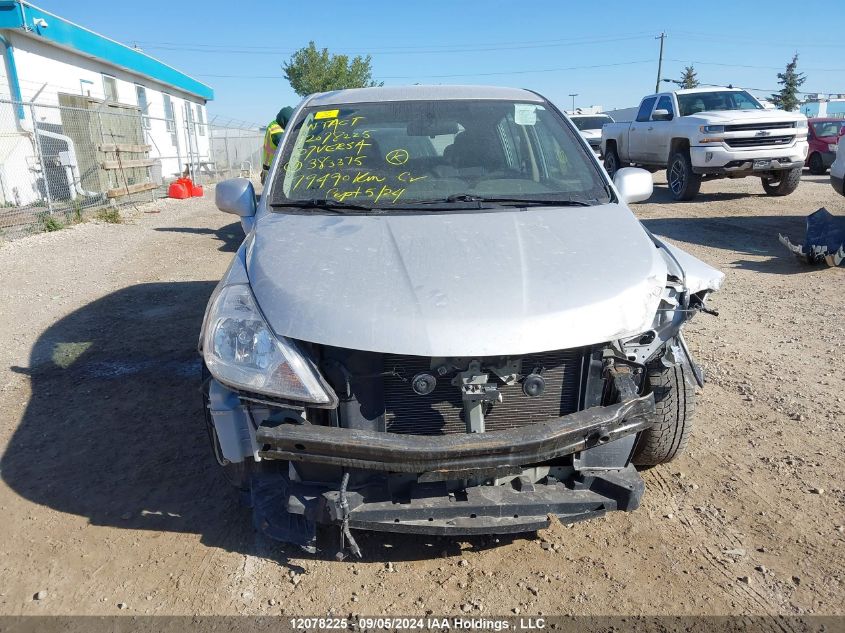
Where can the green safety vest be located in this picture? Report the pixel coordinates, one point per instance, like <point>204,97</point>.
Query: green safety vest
<point>271,142</point>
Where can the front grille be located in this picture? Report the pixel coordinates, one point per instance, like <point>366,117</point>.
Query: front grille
<point>759,141</point>
<point>744,127</point>
<point>441,411</point>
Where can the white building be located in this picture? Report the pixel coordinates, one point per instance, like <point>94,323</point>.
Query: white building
<point>67,69</point>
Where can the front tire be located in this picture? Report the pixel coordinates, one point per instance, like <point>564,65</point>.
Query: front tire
<point>674,398</point>
<point>816,164</point>
<point>784,185</point>
<point>683,183</point>
<point>237,473</point>
<point>611,161</point>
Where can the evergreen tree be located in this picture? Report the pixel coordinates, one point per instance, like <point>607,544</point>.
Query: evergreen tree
<point>688,79</point>
<point>791,80</point>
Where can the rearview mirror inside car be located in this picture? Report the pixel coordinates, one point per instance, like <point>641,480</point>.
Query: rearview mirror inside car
<point>237,196</point>
<point>634,184</point>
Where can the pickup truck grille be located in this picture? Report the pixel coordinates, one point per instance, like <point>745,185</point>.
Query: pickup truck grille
<point>745,127</point>
<point>441,412</point>
<point>759,141</point>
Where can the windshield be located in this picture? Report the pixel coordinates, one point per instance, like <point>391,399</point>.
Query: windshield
<point>591,122</point>
<point>402,153</point>
<point>716,100</point>
<point>824,129</point>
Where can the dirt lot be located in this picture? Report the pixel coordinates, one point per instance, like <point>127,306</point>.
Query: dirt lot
<point>111,502</point>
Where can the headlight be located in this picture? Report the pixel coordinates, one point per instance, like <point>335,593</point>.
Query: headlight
<point>241,350</point>
<point>801,123</point>
<point>712,129</point>
<point>832,147</point>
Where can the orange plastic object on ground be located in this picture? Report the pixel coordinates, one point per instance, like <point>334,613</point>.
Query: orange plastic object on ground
<point>178,190</point>
<point>196,191</point>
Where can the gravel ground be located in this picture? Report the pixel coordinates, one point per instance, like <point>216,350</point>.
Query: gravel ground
<point>111,502</point>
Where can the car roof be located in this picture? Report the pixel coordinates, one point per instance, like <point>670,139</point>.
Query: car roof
<point>687,91</point>
<point>826,119</point>
<point>575,116</point>
<point>420,93</point>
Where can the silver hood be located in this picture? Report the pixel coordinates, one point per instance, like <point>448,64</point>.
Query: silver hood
<point>458,284</point>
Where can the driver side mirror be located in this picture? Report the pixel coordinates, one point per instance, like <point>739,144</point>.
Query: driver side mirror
<point>661,115</point>
<point>634,184</point>
<point>237,196</point>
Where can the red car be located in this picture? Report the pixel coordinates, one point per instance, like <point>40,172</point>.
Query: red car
<point>823,136</point>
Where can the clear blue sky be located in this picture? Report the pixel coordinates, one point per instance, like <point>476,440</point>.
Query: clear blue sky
<point>604,51</point>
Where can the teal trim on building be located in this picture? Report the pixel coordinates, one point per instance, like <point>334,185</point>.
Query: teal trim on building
<point>21,17</point>
<point>12,74</point>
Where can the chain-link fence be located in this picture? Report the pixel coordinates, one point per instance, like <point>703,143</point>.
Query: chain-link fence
<point>61,163</point>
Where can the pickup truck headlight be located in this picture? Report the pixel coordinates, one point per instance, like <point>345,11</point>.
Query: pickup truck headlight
<point>712,129</point>
<point>801,123</point>
<point>242,351</point>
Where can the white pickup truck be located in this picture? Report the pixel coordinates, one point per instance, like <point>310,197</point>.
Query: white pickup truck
<point>705,133</point>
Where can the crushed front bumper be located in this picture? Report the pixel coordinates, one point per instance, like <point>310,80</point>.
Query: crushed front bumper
<point>290,510</point>
<point>459,454</point>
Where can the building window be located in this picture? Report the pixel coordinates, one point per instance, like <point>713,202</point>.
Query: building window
<point>110,88</point>
<point>200,121</point>
<point>141,93</point>
<point>169,115</point>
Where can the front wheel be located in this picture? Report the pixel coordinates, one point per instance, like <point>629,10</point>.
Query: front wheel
<point>674,399</point>
<point>816,164</point>
<point>783,184</point>
<point>237,473</point>
<point>683,183</point>
<point>611,161</point>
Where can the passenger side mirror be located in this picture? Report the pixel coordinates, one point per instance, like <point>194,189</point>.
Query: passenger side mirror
<point>634,184</point>
<point>236,195</point>
<point>661,115</point>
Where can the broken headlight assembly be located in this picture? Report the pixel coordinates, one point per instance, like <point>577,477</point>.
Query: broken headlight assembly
<point>241,351</point>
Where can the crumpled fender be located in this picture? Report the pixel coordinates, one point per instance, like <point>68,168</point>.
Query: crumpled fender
<point>697,275</point>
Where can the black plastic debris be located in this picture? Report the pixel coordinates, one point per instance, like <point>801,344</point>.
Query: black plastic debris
<point>824,242</point>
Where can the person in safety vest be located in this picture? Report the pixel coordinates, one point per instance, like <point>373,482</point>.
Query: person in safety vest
<point>272,138</point>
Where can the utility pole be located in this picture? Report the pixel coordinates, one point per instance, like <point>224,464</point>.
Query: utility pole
<point>660,37</point>
<point>573,95</point>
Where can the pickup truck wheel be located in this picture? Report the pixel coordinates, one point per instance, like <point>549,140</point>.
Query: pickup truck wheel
<point>674,397</point>
<point>611,161</point>
<point>683,183</point>
<point>784,184</point>
<point>817,167</point>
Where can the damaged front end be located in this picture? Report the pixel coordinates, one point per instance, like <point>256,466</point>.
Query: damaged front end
<point>450,445</point>
<point>491,445</point>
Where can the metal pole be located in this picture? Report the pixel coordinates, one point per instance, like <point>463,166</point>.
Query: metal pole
<point>226,145</point>
<point>573,95</point>
<point>660,37</point>
<point>178,146</point>
<point>41,158</point>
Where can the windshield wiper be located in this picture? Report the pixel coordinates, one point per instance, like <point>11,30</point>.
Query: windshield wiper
<point>320,203</point>
<point>546,202</point>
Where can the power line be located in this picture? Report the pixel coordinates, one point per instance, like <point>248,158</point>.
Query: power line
<point>508,72</point>
<point>728,38</point>
<point>817,70</point>
<point>244,50</point>
<point>407,50</point>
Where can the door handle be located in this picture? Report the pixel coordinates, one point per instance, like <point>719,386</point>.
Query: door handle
<point>651,128</point>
